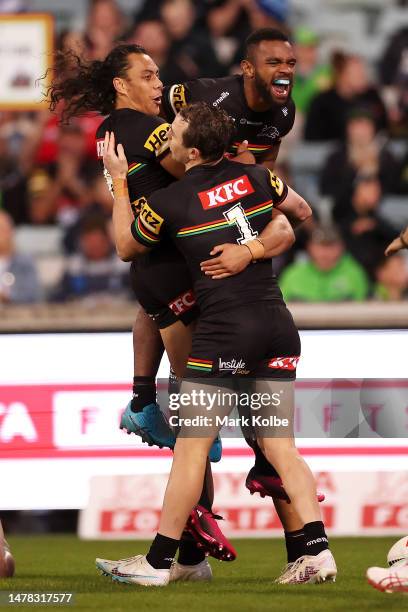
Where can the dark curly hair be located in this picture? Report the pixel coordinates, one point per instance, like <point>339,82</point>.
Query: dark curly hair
<point>210,130</point>
<point>88,86</point>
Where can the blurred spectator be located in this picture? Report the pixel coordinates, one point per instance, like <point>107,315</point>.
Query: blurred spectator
<point>328,111</point>
<point>18,276</point>
<point>105,25</point>
<point>231,21</point>
<point>12,183</point>
<point>392,279</point>
<point>60,188</point>
<point>154,38</point>
<point>330,275</point>
<point>365,233</point>
<point>403,175</point>
<point>95,271</point>
<point>393,69</point>
<point>100,203</point>
<point>191,54</point>
<point>312,77</point>
<point>363,154</point>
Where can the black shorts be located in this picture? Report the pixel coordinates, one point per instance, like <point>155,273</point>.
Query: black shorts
<point>256,340</point>
<point>162,284</point>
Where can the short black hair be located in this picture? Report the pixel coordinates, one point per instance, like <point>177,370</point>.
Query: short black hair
<point>210,130</point>
<point>261,34</point>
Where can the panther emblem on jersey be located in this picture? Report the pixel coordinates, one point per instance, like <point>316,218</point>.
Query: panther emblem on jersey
<point>269,131</point>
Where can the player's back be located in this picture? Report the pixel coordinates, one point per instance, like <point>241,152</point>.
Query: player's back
<point>211,205</point>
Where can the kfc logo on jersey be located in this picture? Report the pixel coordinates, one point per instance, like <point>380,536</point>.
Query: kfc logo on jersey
<point>283,363</point>
<point>226,192</point>
<point>99,147</point>
<point>182,303</point>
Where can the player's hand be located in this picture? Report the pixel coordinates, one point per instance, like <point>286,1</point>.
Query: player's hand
<point>230,259</point>
<point>115,163</point>
<point>244,156</point>
<point>396,245</point>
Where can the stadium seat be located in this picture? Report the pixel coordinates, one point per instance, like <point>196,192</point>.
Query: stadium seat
<point>390,20</point>
<point>39,240</point>
<point>394,209</point>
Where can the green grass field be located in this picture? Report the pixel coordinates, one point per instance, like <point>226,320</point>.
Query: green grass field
<point>63,563</point>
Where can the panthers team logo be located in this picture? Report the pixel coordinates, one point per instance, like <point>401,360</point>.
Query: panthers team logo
<point>269,131</point>
<point>177,97</point>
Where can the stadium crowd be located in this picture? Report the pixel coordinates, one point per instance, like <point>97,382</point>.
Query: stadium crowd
<point>351,114</point>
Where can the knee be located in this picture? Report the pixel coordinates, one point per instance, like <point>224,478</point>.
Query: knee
<point>191,449</point>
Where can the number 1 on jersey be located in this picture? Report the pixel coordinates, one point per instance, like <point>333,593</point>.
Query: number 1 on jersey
<point>236,214</point>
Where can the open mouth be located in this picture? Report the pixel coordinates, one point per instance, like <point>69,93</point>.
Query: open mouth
<point>158,100</point>
<point>280,88</point>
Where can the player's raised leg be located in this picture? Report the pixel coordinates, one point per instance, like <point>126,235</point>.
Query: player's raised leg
<point>142,415</point>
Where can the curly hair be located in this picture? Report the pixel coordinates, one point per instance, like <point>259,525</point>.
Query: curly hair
<point>210,130</point>
<point>88,86</point>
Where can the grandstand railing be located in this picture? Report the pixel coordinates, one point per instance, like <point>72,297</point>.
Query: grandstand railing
<point>119,316</point>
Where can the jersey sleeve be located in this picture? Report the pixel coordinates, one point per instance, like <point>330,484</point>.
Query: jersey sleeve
<point>278,189</point>
<point>149,225</point>
<point>175,97</point>
<point>154,142</point>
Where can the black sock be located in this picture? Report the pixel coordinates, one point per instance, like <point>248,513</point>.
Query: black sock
<point>295,544</point>
<point>162,552</point>
<point>189,553</point>
<point>262,465</point>
<point>205,498</point>
<point>315,538</point>
<point>144,392</point>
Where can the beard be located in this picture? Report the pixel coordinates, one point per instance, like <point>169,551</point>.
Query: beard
<point>263,90</point>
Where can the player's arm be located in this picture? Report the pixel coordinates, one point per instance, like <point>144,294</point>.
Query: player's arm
<point>296,209</point>
<point>401,242</point>
<point>269,158</point>
<point>122,216</point>
<point>230,259</point>
<point>243,156</point>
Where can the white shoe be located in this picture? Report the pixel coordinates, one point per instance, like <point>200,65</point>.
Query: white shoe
<point>137,570</point>
<point>392,579</point>
<point>284,574</point>
<point>107,565</point>
<point>310,569</point>
<point>192,573</point>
